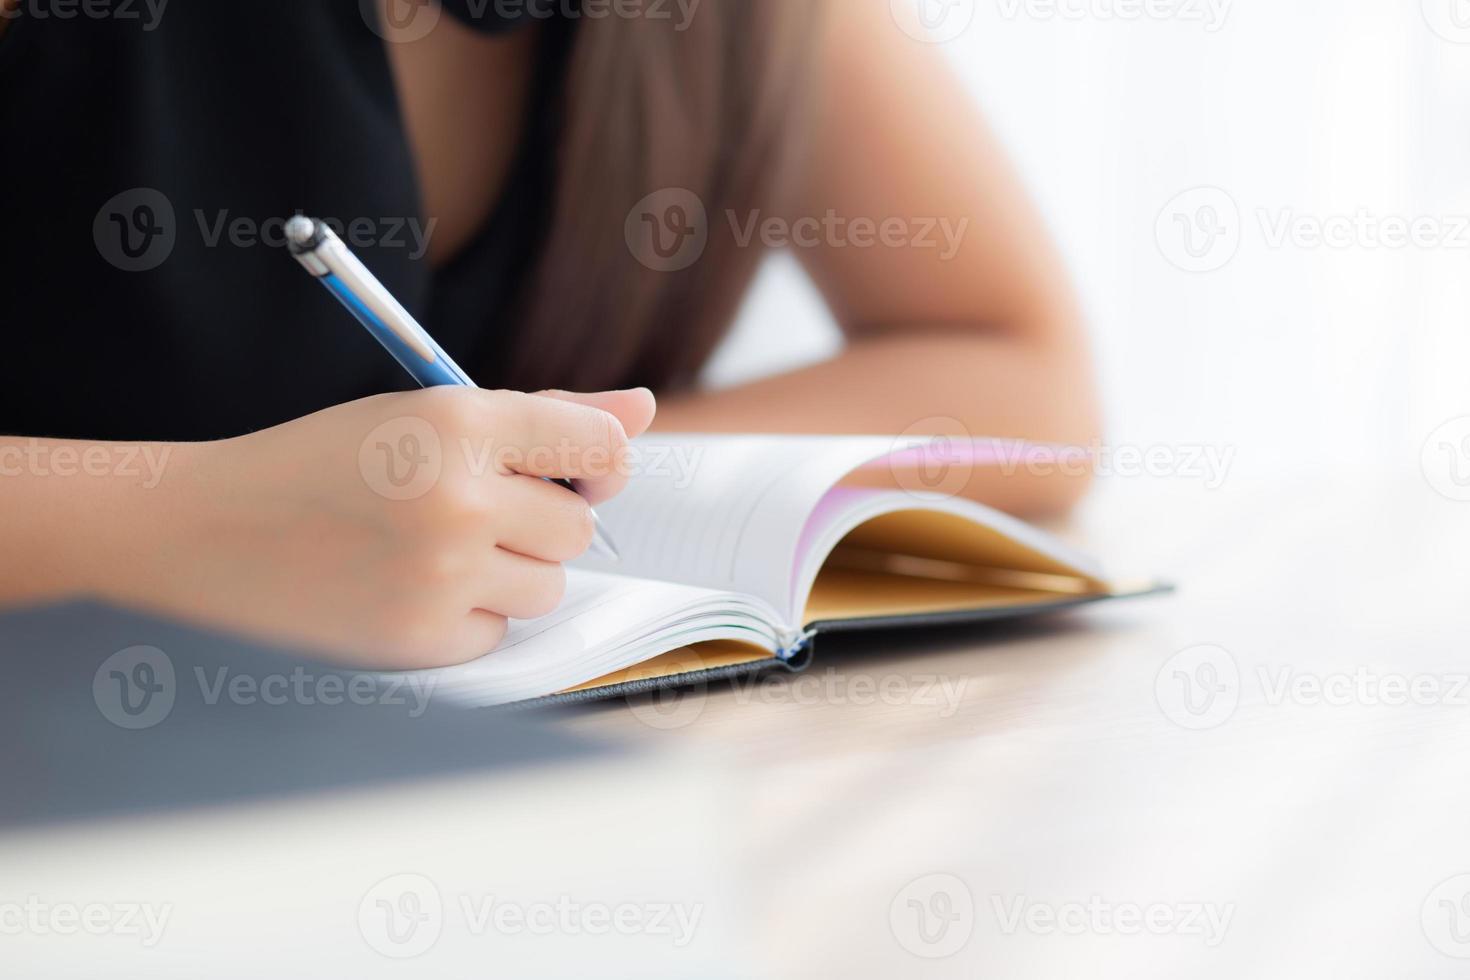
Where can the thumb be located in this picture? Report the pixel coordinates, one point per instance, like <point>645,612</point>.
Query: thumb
<point>634,408</point>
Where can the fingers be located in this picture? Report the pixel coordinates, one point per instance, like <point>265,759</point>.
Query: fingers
<point>464,614</point>
<point>566,439</point>
<point>541,520</point>
<point>512,587</point>
<point>635,408</point>
<point>518,587</point>
<point>583,438</point>
<point>474,636</point>
<point>552,438</point>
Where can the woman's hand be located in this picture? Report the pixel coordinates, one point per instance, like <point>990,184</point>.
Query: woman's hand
<point>400,531</point>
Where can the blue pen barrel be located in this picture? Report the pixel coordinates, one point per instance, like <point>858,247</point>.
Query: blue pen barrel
<point>428,375</point>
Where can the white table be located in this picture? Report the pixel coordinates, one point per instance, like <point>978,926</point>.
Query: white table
<point>1072,790</point>
<point>1037,801</point>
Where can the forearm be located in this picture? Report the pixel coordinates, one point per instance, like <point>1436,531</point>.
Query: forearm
<point>983,385</point>
<point>76,518</point>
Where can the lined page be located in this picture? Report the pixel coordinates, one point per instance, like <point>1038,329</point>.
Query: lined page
<point>727,512</point>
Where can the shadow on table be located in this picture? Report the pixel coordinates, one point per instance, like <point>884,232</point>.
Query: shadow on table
<point>105,713</point>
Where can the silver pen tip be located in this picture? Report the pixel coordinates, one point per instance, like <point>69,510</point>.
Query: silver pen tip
<point>602,545</point>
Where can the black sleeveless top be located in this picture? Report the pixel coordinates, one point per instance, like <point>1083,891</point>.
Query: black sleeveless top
<point>146,291</point>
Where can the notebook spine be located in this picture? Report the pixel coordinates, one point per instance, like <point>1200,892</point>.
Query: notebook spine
<point>793,643</point>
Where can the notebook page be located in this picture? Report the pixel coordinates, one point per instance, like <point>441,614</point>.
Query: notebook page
<point>727,512</point>
<point>571,645</point>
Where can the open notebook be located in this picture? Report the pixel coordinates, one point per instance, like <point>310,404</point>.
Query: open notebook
<point>739,551</point>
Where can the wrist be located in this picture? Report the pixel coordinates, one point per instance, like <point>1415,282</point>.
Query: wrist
<point>141,529</point>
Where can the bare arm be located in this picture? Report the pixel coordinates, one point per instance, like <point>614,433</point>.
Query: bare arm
<point>76,517</point>
<point>325,533</point>
<point>980,327</point>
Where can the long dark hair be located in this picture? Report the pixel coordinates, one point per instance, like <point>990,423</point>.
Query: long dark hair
<point>714,109</point>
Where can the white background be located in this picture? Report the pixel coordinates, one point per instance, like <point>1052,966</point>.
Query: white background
<point>1333,359</point>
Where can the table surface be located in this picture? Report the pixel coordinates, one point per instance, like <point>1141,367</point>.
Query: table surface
<point>1262,775</point>
<point>1281,746</point>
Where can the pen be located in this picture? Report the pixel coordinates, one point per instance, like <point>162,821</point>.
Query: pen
<point>332,264</point>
